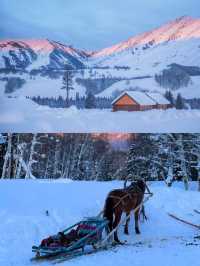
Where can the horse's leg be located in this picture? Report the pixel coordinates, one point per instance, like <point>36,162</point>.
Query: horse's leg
<point>110,224</point>
<point>143,213</point>
<point>108,214</point>
<point>127,222</point>
<point>115,224</point>
<point>137,213</point>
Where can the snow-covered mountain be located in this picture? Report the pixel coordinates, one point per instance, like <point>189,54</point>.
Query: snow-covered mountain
<point>182,28</point>
<point>176,43</point>
<point>149,53</point>
<point>36,54</point>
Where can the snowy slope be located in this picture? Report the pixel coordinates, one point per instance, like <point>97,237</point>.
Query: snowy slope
<point>149,53</point>
<point>150,85</point>
<point>156,57</point>
<point>177,41</point>
<point>162,240</point>
<point>182,28</point>
<point>146,55</point>
<point>35,54</point>
<point>43,87</point>
<point>23,115</point>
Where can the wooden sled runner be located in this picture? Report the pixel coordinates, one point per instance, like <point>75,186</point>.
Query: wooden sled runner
<point>73,240</point>
<point>197,211</point>
<point>183,221</point>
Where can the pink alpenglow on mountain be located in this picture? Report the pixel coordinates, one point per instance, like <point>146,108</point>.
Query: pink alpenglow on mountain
<point>181,28</point>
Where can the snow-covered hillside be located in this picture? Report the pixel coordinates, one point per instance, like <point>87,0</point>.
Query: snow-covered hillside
<point>177,42</point>
<point>149,84</point>
<point>162,241</point>
<point>43,87</point>
<point>23,115</point>
<point>36,54</point>
<point>157,57</point>
<point>180,29</point>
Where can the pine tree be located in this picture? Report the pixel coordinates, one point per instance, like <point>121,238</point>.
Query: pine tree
<point>140,157</point>
<point>90,101</point>
<point>179,102</point>
<point>169,97</point>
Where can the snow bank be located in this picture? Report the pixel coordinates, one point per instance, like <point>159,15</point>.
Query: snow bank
<point>23,115</point>
<point>162,241</point>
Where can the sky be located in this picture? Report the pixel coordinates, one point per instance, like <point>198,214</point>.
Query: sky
<point>88,24</point>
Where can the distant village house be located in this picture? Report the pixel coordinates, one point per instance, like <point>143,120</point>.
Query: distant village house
<point>140,101</point>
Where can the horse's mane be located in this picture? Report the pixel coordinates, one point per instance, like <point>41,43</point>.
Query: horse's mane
<point>137,185</point>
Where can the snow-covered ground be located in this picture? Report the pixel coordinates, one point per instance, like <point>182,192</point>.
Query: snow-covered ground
<point>23,115</point>
<point>149,84</point>
<point>43,87</point>
<point>163,241</point>
<point>46,87</point>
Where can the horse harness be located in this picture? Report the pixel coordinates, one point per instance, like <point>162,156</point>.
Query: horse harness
<point>129,194</point>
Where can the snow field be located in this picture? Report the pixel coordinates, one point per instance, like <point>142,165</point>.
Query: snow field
<point>162,240</point>
<point>150,85</point>
<point>23,115</point>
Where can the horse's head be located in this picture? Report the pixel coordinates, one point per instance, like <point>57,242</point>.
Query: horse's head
<point>141,184</point>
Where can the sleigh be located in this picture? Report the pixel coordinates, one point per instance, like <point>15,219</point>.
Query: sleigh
<point>84,237</point>
<point>77,239</point>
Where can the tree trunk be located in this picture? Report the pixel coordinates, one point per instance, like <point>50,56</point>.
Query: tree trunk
<point>198,180</point>
<point>7,160</point>
<point>185,180</point>
<point>183,165</point>
<point>31,160</point>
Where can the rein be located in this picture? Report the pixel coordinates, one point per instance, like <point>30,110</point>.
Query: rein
<point>129,194</point>
<point>149,191</point>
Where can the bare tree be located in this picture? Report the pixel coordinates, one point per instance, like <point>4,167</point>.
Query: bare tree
<point>31,160</point>
<point>8,159</point>
<point>20,161</point>
<point>183,162</point>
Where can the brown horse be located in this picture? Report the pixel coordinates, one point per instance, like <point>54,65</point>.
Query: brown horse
<point>124,200</point>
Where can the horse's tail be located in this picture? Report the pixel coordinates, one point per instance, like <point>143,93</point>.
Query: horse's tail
<point>108,212</point>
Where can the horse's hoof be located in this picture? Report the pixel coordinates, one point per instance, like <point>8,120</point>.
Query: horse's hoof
<point>117,242</point>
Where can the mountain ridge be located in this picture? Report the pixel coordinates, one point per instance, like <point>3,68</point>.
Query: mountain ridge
<point>184,27</point>
<point>40,62</point>
<point>40,53</point>
<point>174,29</point>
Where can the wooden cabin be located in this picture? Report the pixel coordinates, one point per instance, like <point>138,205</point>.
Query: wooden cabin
<point>161,101</point>
<point>139,101</point>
